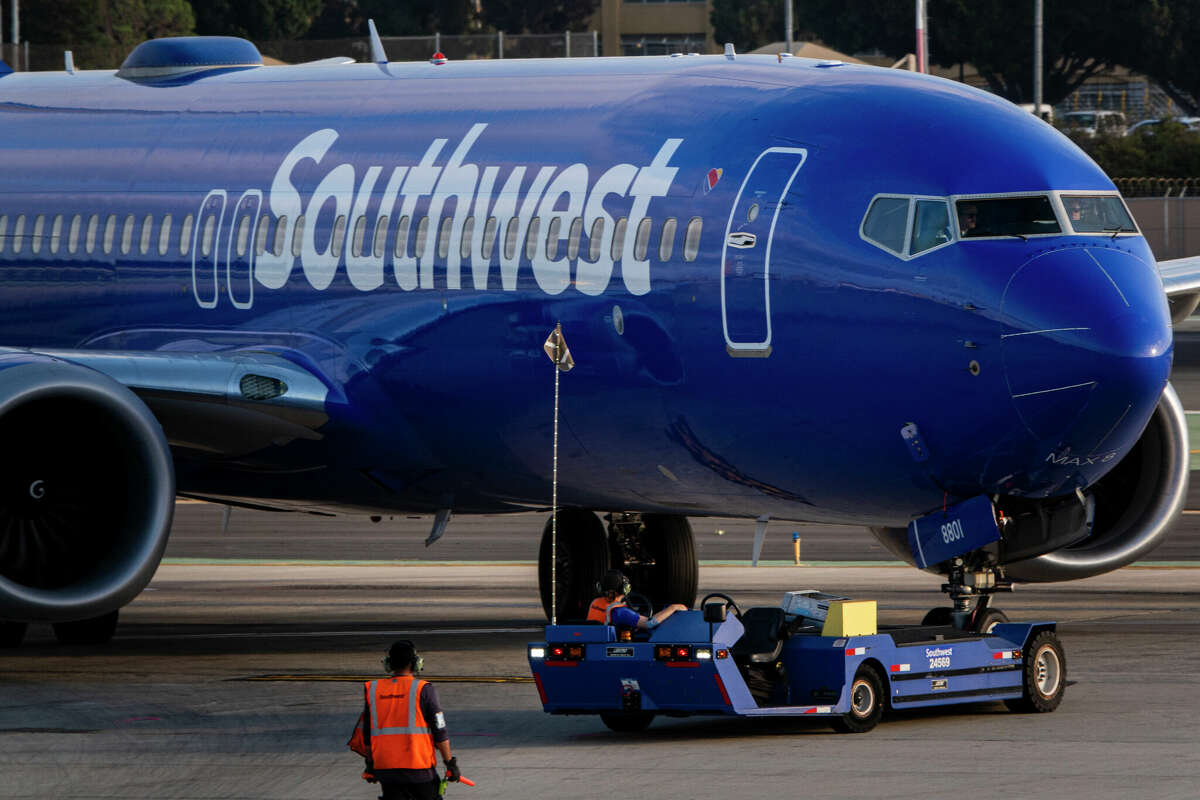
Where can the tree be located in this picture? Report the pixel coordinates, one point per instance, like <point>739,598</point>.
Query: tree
<point>1166,50</point>
<point>256,19</point>
<point>538,16</point>
<point>749,24</point>
<point>1081,37</point>
<point>102,32</point>
<point>342,18</point>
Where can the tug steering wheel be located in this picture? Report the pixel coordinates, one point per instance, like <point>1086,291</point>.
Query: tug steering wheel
<point>737,612</point>
<point>640,603</point>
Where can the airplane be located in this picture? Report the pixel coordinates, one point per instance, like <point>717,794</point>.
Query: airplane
<point>793,290</point>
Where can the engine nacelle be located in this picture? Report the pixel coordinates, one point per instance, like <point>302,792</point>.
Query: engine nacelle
<point>1135,505</point>
<point>87,492</point>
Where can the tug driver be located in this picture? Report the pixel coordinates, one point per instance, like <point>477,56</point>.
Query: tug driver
<point>610,608</point>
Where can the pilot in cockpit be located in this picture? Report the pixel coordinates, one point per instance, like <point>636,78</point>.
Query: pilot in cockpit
<point>610,608</point>
<point>968,217</point>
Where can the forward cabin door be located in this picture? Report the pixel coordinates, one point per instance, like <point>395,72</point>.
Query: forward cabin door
<point>746,258</point>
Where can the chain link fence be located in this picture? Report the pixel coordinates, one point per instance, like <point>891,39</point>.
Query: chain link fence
<point>32,56</point>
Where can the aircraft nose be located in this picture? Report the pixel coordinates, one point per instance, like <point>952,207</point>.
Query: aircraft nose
<point>1086,347</point>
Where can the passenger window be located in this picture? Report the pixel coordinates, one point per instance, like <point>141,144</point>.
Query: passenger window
<point>147,228</point>
<point>127,234</point>
<point>185,235</point>
<point>3,230</point>
<point>401,247</point>
<point>573,238</point>
<point>261,234</point>
<point>339,236</point>
<point>298,236</point>
<point>618,242</point>
<point>18,234</point>
<point>243,236</point>
<point>510,238</point>
<point>443,249</point>
<point>110,233</point>
<point>56,234</point>
<point>596,240</point>
<point>380,237</point>
<point>93,226</point>
<point>206,237</point>
<point>1006,216</point>
<point>667,243</point>
<point>164,235</point>
<point>552,231</point>
<point>691,239</point>
<point>280,236</point>
<point>360,237</point>
<point>419,240</point>
<point>39,225</point>
<point>931,225</point>
<point>887,222</point>
<point>468,232</point>
<point>641,242</point>
<point>531,238</point>
<point>73,236</point>
<point>489,239</point>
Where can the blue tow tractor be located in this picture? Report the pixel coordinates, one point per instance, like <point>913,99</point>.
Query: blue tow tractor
<point>814,654</point>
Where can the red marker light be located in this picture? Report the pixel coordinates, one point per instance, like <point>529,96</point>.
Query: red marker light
<point>683,652</point>
<point>438,58</point>
<point>557,652</point>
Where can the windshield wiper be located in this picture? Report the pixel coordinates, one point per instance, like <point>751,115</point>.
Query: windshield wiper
<point>1119,229</point>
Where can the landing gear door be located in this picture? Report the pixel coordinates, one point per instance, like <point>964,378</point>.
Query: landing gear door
<point>746,257</point>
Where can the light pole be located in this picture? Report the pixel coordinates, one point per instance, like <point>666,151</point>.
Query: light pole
<point>15,24</point>
<point>787,23</point>
<point>922,58</point>
<point>1037,57</point>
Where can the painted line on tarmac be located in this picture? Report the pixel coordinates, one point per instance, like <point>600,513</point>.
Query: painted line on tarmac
<point>364,678</point>
<point>270,562</point>
<point>323,634</point>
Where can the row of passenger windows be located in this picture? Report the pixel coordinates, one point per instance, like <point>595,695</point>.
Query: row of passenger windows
<point>102,236</point>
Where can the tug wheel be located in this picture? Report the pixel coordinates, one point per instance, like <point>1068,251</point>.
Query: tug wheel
<point>627,721</point>
<point>1044,675</point>
<point>866,703</point>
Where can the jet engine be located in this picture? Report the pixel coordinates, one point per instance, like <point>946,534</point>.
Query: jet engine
<point>87,491</point>
<point>1130,511</point>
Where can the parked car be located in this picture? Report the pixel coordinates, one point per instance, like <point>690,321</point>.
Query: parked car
<point>1148,125</point>
<point>1090,123</point>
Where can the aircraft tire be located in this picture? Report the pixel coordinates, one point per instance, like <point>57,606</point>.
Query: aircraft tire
<point>1044,676</point>
<point>582,561</point>
<point>627,721</point>
<point>12,634</point>
<point>990,619</point>
<point>866,703</point>
<point>676,574</point>
<point>94,631</point>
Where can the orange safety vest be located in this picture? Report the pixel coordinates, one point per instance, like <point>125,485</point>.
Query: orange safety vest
<point>598,611</point>
<point>400,737</point>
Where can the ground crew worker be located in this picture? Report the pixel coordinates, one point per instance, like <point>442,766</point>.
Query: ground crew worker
<point>610,607</point>
<point>400,728</point>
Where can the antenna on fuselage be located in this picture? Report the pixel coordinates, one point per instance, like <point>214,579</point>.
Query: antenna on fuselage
<point>377,54</point>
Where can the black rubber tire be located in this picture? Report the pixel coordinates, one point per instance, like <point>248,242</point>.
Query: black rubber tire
<point>12,634</point>
<point>627,721</point>
<point>94,631</point>
<point>989,619</point>
<point>867,700</point>
<point>939,617</point>
<point>676,572</point>
<point>1044,675</point>
<point>582,561</point>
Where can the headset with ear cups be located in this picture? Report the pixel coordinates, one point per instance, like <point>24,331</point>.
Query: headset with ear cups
<point>405,653</point>
<point>614,581</point>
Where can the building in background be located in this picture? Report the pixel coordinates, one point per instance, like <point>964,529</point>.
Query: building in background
<point>654,27</point>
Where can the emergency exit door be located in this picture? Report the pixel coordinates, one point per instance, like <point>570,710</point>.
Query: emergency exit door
<point>746,257</point>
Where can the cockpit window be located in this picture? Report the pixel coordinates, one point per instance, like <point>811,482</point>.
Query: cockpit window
<point>931,225</point>
<point>886,223</point>
<point>1006,216</point>
<point>1092,214</point>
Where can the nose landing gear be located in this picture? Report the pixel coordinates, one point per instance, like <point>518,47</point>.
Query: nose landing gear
<point>971,594</point>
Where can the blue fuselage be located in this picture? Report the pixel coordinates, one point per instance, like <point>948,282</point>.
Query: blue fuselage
<point>766,365</point>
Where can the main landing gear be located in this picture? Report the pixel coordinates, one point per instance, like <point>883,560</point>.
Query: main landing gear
<point>971,593</point>
<point>655,551</point>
